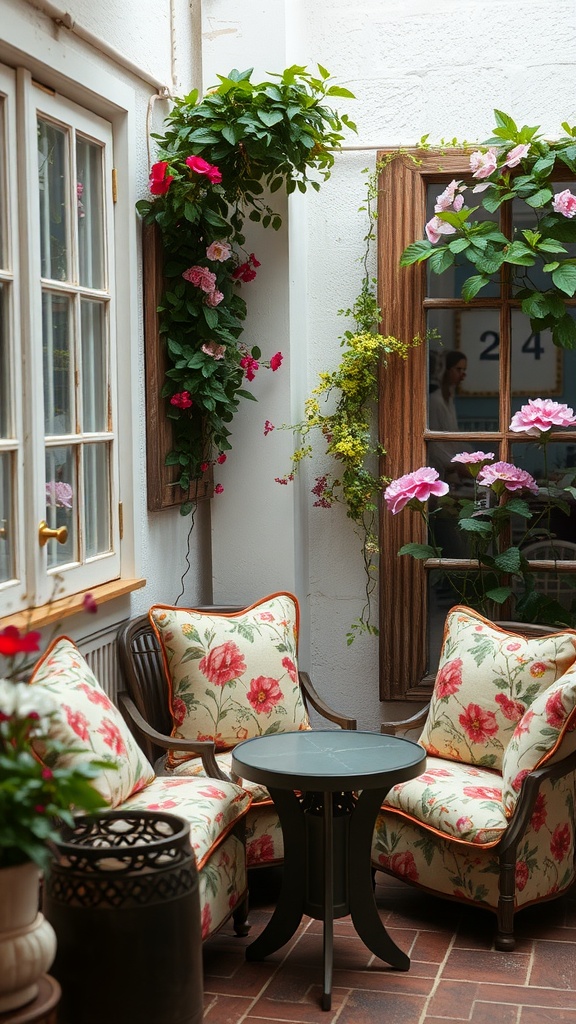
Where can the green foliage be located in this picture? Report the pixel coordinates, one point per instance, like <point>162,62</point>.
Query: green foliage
<point>255,139</point>
<point>482,244</point>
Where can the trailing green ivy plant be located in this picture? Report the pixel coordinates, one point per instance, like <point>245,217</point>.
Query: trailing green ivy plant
<point>514,165</point>
<point>220,159</point>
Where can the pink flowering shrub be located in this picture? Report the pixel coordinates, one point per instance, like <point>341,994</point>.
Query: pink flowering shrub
<point>486,521</point>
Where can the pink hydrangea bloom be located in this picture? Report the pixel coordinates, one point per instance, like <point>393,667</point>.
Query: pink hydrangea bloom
<point>565,203</point>
<point>214,298</point>
<point>483,165</point>
<point>504,476</point>
<point>212,348</point>
<point>420,484</point>
<point>517,154</point>
<point>541,414</point>
<point>219,251</point>
<point>58,494</point>
<point>473,457</point>
<point>200,277</point>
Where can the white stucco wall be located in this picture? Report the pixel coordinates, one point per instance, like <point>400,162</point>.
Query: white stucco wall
<point>415,67</point>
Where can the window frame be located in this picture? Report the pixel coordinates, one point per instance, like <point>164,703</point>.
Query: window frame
<point>403,432</point>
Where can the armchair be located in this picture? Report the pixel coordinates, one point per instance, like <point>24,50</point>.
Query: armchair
<point>210,677</point>
<point>491,822</point>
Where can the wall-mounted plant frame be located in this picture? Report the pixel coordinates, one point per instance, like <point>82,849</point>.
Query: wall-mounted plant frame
<point>163,490</point>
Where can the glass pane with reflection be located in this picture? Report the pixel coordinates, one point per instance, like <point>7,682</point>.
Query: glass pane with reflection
<point>53,179</point>
<point>97,528</point>
<point>553,467</point>
<point>61,504</point>
<point>90,213</point>
<point>7,518</point>
<point>537,364</point>
<point>57,364</point>
<point>6,426</point>
<point>94,368</point>
<point>448,284</point>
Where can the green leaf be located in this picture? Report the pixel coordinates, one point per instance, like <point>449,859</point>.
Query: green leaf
<point>475,526</point>
<point>519,254</point>
<point>505,121</point>
<point>416,252</point>
<point>509,560</point>
<point>441,259</point>
<point>564,278</point>
<point>458,245</point>
<point>472,285</point>
<point>270,117</point>
<point>338,90</point>
<point>210,316</point>
<point>420,551</point>
<point>499,594</point>
<point>540,198</point>
<point>564,332</point>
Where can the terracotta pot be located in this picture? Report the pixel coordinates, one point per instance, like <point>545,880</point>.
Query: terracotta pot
<point>27,940</point>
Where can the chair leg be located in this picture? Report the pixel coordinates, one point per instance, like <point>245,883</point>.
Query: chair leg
<point>240,918</point>
<point>505,940</point>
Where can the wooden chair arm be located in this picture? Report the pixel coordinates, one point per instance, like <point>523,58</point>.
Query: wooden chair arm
<point>405,724</point>
<point>204,748</point>
<point>314,699</point>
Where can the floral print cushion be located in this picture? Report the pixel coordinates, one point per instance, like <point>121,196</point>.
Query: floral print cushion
<point>459,801</point>
<point>194,766</point>
<point>546,732</point>
<point>211,806</point>
<point>231,676</point>
<point>89,724</point>
<point>221,884</point>
<point>487,678</point>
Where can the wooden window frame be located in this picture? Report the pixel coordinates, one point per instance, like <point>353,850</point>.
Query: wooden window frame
<point>163,491</point>
<point>402,407</point>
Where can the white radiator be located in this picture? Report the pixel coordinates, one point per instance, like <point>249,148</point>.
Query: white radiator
<point>99,649</point>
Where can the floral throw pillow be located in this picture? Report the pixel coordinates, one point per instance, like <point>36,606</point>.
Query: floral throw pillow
<point>487,679</point>
<point>546,732</point>
<point>90,724</point>
<point>231,676</point>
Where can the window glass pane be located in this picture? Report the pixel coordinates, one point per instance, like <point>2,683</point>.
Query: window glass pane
<point>90,211</point>
<point>7,520</point>
<point>94,376</point>
<point>58,364</point>
<point>53,190</point>
<point>553,466</point>
<point>6,429</point>
<point>61,504</point>
<point>536,361</point>
<point>97,499</point>
<point>3,235</point>
<point>448,284</point>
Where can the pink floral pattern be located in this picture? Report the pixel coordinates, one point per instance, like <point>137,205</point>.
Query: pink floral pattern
<point>231,676</point>
<point>90,723</point>
<point>487,680</point>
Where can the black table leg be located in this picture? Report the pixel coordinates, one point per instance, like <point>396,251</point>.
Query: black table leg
<point>290,905</point>
<point>328,900</point>
<point>363,909</point>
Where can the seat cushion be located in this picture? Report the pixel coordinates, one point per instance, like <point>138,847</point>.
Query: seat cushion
<point>211,806</point>
<point>88,724</point>
<point>487,678</point>
<point>455,801</point>
<point>546,732</point>
<point>231,676</point>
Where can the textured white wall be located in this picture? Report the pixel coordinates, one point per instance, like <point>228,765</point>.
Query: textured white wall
<point>415,67</point>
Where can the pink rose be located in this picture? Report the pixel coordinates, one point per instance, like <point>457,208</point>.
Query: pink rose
<point>200,166</point>
<point>223,663</point>
<point>214,298</point>
<point>449,198</point>
<point>435,228</point>
<point>564,203</point>
<point>504,476</point>
<point>516,155</point>
<point>212,348</point>
<point>418,486</point>
<point>483,165</point>
<point>541,414</point>
<point>471,458</point>
<point>201,278</point>
<point>219,251</point>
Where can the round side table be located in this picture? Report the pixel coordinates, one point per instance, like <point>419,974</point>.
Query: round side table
<point>41,1010</point>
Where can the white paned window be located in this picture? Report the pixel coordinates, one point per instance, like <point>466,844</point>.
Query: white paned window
<point>59,523</point>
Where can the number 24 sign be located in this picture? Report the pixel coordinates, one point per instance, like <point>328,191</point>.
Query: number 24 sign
<point>536,361</point>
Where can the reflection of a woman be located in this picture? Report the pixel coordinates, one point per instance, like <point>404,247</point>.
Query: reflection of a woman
<point>442,416</point>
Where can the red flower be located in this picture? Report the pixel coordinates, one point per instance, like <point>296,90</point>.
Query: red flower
<point>218,489</point>
<point>560,842</point>
<point>89,603</point>
<point>521,874</point>
<point>182,400</point>
<point>250,365</point>
<point>160,181</point>
<point>223,664</point>
<point>539,813</point>
<point>478,724</point>
<point>449,678</point>
<point>112,737</point>
<point>268,427</point>
<point>261,850</point>
<point>511,709</point>
<point>290,667</point>
<point>276,361</point>
<point>263,694</point>
<point>12,642</point>
<point>221,458</point>
<point>200,166</point>
<point>204,467</point>
<point>245,271</point>
<point>555,711</point>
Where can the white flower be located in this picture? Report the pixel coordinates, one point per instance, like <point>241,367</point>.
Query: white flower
<point>20,700</point>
